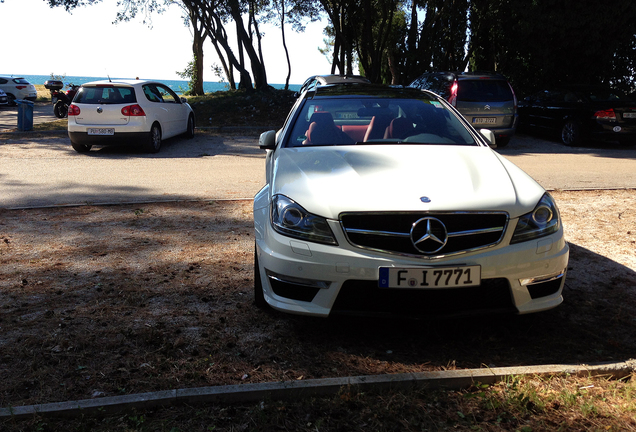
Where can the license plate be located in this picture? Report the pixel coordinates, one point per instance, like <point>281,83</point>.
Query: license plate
<point>484,120</point>
<point>429,277</point>
<point>101,131</point>
<point>629,115</point>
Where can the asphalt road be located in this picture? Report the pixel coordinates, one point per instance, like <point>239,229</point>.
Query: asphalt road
<point>45,170</point>
<point>42,112</point>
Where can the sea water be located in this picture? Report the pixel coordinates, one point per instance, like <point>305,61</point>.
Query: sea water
<point>179,86</point>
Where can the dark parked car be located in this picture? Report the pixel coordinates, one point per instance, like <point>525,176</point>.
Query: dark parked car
<point>580,113</point>
<point>485,99</point>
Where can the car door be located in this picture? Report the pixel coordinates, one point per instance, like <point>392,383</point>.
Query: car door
<point>177,114</point>
<point>543,109</point>
<point>559,105</point>
<point>167,109</point>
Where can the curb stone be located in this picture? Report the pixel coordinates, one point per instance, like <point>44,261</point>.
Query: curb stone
<point>250,393</point>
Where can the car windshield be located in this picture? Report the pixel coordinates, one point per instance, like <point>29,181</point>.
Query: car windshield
<point>104,95</point>
<point>368,120</point>
<point>20,81</point>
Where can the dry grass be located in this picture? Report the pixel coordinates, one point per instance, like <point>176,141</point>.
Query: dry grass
<point>102,301</point>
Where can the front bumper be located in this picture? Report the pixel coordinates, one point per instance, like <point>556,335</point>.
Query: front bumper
<point>314,279</point>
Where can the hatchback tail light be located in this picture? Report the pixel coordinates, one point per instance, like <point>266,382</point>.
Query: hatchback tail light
<point>605,114</point>
<point>73,110</point>
<point>133,111</point>
<point>452,99</point>
<point>20,87</point>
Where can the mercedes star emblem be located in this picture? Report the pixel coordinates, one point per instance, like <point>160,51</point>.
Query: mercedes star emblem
<point>429,235</point>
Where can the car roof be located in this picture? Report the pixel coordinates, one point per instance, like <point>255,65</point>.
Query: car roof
<point>321,80</point>
<point>130,82</point>
<point>366,90</point>
<point>480,75</point>
<point>468,75</point>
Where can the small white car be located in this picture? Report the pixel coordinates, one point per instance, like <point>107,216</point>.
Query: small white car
<point>385,200</point>
<point>18,88</point>
<point>4,99</point>
<point>136,112</point>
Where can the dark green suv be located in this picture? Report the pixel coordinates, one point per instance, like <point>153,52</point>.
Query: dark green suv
<point>486,100</point>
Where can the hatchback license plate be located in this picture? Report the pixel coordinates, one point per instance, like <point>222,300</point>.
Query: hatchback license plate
<point>629,115</point>
<point>101,131</point>
<point>429,277</point>
<point>484,120</point>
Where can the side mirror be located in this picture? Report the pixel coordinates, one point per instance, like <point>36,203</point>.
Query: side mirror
<point>183,100</point>
<point>489,136</point>
<point>267,140</point>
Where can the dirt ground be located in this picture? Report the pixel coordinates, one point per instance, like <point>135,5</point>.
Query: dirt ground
<point>104,301</point>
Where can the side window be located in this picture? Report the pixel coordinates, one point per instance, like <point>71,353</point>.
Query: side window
<point>167,94</point>
<point>439,84</point>
<point>152,94</point>
<point>3,81</point>
<point>420,82</point>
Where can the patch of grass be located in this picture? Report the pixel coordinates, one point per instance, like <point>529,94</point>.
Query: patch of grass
<point>44,95</point>
<point>61,125</point>
<point>240,108</point>
<point>223,108</point>
<point>522,403</point>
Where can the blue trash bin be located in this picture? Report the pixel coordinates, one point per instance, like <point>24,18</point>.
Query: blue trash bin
<point>25,115</point>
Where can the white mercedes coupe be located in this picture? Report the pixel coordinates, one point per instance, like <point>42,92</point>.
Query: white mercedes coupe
<point>384,200</point>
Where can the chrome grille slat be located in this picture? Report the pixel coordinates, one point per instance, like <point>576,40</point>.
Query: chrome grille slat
<point>390,232</point>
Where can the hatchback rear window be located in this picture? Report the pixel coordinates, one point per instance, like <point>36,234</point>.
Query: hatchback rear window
<point>105,95</point>
<point>487,90</point>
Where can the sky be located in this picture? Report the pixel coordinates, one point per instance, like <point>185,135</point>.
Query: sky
<point>85,42</point>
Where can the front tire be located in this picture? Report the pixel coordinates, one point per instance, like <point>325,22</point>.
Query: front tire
<point>60,109</point>
<point>503,141</point>
<point>259,297</point>
<point>571,133</point>
<point>81,148</point>
<point>154,141</point>
<point>190,129</point>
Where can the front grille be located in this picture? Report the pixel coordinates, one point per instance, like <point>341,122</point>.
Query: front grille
<point>395,232</point>
<point>365,297</point>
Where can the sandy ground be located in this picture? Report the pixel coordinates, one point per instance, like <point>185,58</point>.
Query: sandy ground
<point>108,300</point>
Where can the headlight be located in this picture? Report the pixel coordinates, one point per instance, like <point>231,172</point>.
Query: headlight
<point>290,219</point>
<point>542,221</point>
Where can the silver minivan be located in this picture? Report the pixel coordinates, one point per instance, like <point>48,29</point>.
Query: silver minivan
<point>486,100</point>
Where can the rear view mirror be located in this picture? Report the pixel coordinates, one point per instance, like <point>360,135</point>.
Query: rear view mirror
<point>267,140</point>
<point>489,136</point>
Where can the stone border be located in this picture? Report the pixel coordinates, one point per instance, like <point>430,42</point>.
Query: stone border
<point>251,393</point>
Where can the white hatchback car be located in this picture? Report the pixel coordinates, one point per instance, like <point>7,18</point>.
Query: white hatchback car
<point>18,88</point>
<point>4,99</point>
<point>127,111</point>
<point>385,200</point>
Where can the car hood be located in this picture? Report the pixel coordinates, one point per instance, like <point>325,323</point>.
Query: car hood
<point>330,180</point>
